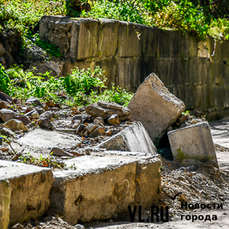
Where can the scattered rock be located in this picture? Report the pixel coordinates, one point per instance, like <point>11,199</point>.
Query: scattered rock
<point>15,124</point>
<point>50,103</point>
<point>33,114</point>
<point>193,145</point>
<point>33,101</point>
<point>109,132</point>
<point>59,152</point>
<point>97,111</point>
<point>24,119</point>
<point>97,132</point>
<point>91,127</point>
<point>77,119</point>
<point>79,226</point>
<point>99,121</point>
<point>5,97</point>
<point>113,120</point>
<point>7,132</point>
<point>3,104</point>
<point>133,138</point>
<point>47,114</point>
<point>44,123</point>
<point>110,105</point>
<point>155,106</point>
<point>77,154</point>
<point>80,128</point>
<point>7,114</point>
<point>18,226</point>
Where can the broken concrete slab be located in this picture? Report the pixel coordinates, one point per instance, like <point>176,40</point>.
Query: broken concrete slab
<point>5,196</point>
<point>30,189</point>
<point>155,106</point>
<point>40,141</point>
<point>111,181</point>
<point>193,145</point>
<point>133,138</point>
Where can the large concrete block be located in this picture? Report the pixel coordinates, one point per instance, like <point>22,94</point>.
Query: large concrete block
<point>30,188</point>
<point>102,187</point>
<point>134,138</point>
<point>193,145</point>
<point>5,196</point>
<point>155,106</point>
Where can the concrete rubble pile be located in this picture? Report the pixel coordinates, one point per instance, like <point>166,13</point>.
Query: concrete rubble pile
<point>103,147</point>
<point>76,139</point>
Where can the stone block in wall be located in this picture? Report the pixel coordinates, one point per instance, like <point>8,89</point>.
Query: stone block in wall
<point>129,72</point>
<point>88,39</point>
<point>30,189</point>
<point>193,145</point>
<point>5,196</point>
<point>155,106</point>
<point>129,41</point>
<point>108,38</point>
<point>204,48</point>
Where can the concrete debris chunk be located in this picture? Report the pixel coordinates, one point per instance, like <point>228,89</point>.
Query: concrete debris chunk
<point>155,106</point>
<point>133,138</point>
<point>193,145</point>
<point>30,188</point>
<point>95,110</point>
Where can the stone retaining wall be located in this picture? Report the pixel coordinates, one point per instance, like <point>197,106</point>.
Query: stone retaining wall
<point>130,52</point>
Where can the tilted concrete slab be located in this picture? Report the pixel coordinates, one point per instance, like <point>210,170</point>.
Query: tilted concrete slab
<point>29,187</point>
<point>133,138</point>
<point>193,145</point>
<point>41,141</point>
<point>155,106</point>
<point>102,187</point>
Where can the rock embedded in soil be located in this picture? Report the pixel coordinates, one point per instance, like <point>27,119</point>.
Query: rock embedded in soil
<point>6,114</point>
<point>113,120</point>
<point>55,151</point>
<point>155,106</point>
<point>15,125</point>
<point>3,104</point>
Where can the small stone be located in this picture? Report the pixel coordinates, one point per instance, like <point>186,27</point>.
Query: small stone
<point>47,114</point>
<point>15,124</point>
<point>113,120</point>
<point>7,114</point>
<point>183,198</point>
<point>91,127</point>
<point>44,123</point>
<point>4,148</point>
<point>29,226</point>
<point>3,104</point>
<point>110,105</point>
<point>5,97</point>
<point>109,132</point>
<point>7,132</point>
<point>50,103</point>
<point>34,101</point>
<point>59,152</point>
<point>77,118</point>
<point>97,132</point>
<point>18,226</point>
<point>33,114</point>
<point>24,119</point>
<point>75,153</point>
<point>80,128</point>
<point>79,226</point>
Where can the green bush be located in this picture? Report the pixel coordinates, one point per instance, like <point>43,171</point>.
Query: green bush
<point>4,80</point>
